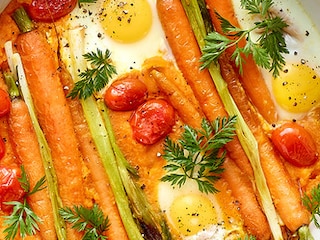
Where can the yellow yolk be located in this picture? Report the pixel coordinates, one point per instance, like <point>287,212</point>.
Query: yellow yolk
<point>192,213</point>
<point>297,88</point>
<point>126,21</point>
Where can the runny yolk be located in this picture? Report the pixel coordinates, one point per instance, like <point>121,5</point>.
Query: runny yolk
<point>192,213</point>
<point>297,88</point>
<point>126,21</point>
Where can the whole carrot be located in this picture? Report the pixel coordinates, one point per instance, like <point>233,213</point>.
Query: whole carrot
<point>252,79</point>
<point>285,193</point>
<point>187,54</point>
<point>27,150</point>
<point>54,116</point>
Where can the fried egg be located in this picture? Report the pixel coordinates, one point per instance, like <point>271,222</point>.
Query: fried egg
<point>196,215</point>
<point>131,30</point>
<point>295,92</point>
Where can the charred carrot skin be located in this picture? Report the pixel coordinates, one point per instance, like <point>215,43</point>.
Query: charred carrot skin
<point>26,147</point>
<point>187,54</point>
<point>285,192</point>
<point>92,160</point>
<point>251,79</point>
<point>54,116</point>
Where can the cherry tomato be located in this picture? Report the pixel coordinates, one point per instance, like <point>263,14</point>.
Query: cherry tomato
<point>2,148</point>
<point>5,103</point>
<point>10,188</point>
<point>125,94</point>
<point>50,10</point>
<point>295,144</point>
<point>152,121</point>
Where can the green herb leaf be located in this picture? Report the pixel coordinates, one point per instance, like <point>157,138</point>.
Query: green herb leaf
<point>197,154</point>
<point>23,218</point>
<point>87,1</point>
<point>96,78</point>
<point>312,203</point>
<point>267,51</point>
<point>91,221</point>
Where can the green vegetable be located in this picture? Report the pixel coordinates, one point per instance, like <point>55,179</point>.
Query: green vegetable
<point>267,51</point>
<point>246,138</point>
<point>87,1</point>
<point>22,218</point>
<point>51,177</point>
<point>91,221</point>
<point>312,203</point>
<point>95,78</point>
<point>197,154</point>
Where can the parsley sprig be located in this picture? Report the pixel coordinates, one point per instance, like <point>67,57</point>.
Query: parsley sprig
<point>267,51</point>
<point>197,154</point>
<point>23,218</point>
<point>96,78</point>
<point>91,221</point>
<point>312,203</point>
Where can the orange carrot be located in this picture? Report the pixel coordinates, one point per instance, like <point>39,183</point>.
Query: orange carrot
<point>252,79</point>
<point>187,54</point>
<point>54,116</point>
<point>285,193</point>
<point>27,149</point>
<point>92,159</point>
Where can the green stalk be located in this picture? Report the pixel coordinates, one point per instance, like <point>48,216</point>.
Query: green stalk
<point>76,63</point>
<point>304,233</point>
<point>51,178</point>
<point>195,12</point>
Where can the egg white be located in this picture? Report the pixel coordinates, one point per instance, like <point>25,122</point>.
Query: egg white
<point>302,39</point>
<point>125,56</point>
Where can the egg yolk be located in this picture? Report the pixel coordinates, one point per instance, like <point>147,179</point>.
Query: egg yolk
<point>192,213</point>
<point>126,21</point>
<point>297,88</point>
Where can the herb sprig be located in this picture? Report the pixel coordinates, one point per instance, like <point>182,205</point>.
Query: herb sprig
<point>95,78</point>
<point>197,154</point>
<point>267,51</point>
<point>91,221</point>
<point>23,218</point>
<point>312,203</point>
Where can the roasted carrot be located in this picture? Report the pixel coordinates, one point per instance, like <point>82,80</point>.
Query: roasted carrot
<point>187,54</point>
<point>27,150</point>
<point>54,116</point>
<point>92,159</point>
<point>252,79</point>
<point>285,193</point>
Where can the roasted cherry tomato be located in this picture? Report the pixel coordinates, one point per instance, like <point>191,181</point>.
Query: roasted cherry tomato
<point>125,94</point>
<point>50,10</point>
<point>5,103</point>
<point>10,188</point>
<point>2,148</point>
<point>295,144</point>
<point>152,121</point>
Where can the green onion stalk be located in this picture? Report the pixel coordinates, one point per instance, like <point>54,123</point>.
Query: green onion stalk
<point>201,24</point>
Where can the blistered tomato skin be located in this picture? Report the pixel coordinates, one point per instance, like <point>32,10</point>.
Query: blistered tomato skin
<point>5,103</point>
<point>295,144</point>
<point>50,10</point>
<point>10,188</point>
<point>125,94</point>
<point>152,121</point>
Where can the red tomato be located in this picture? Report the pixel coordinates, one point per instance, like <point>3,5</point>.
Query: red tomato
<point>2,148</point>
<point>50,10</point>
<point>125,94</point>
<point>152,121</point>
<point>5,103</point>
<point>295,144</point>
<point>10,188</point>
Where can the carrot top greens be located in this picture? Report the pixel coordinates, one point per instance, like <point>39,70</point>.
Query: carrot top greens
<point>23,218</point>
<point>95,78</point>
<point>197,154</point>
<point>267,51</point>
